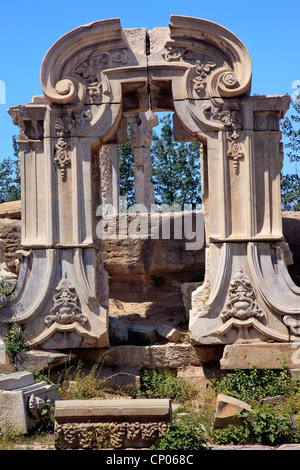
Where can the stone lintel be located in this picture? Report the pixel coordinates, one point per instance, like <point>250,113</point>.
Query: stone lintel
<point>123,408</point>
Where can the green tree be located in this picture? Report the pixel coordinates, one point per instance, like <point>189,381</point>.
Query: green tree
<point>290,192</point>
<point>126,169</point>
<point>290,185</point>
<point>10,187</point>
<point>176,168</point>
<point>291,130</point>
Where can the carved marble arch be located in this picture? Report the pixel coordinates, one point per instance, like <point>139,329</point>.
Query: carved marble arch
<point>93,78</point>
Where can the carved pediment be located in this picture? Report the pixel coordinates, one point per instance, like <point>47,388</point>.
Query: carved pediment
<point>99,68</point>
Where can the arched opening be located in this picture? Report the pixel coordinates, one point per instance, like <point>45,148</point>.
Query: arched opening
<point>158,254</point>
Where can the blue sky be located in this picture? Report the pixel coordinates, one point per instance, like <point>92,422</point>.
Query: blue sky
<point>269,29</point>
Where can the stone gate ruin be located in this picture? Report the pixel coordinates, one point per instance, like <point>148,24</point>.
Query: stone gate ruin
<point>96,80</point>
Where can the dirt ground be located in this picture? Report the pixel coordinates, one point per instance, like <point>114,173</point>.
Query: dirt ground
<point>151,305</point>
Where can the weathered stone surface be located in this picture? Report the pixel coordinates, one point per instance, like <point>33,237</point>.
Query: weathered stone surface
<point>16,380</point>
<point>170,333</point>
<point>187,288</point>
<point>10,210</point>
<point>199,376</point>
<point>153,255</point>
<point>111,408</point>
<point>141,335</point>
<point>21,400</point>
<point>166,356</point>
<point>254,447</point>
<point>227,411</point>
<point>124,422</point>
<point>39,360</point>
<point>10,232</point>
<point>261,355</point>
<point>119,380</point>
<point>12,414</point>
<point>118,331</point>
<point>289,447</point>
<point>6,366</point>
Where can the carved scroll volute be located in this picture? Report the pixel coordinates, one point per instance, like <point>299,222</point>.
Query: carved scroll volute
<point>210,64</point>
<point>231,74</point>
<point>61,87</point>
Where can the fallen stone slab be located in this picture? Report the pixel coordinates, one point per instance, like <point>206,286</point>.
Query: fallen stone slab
<point>254,447</point>
<point>16,380</point>
<point>21,400</point>
<point>99,423</point>
<point>240,447</point>
<point>170,333</point>
<point>228,410</point>
<point>261,355</point>
<point>289,447</point>
<point>39,360</point>
<point>32,360</point>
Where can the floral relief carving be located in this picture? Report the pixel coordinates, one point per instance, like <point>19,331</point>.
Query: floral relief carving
<point>202,70</point>
<point>62,157</point>
<point>65,308</point>
<point>65,124</point>
<point>172,54</point>
<point>241,300</point>
<point>108,434</point>
<point>202,66</point>
<point>235,150</point>
<point>90,70</point>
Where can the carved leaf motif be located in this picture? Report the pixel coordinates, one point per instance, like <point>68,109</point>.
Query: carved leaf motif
<point>90,70</point>
<point>65,124</point>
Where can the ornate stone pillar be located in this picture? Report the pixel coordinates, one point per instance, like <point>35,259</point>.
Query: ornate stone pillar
<point>245,241</point>
<point>56,296</point>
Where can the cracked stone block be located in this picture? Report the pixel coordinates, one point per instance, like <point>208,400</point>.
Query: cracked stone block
<point>227,411</point>
<point>16,380</point>
<point>21,400</point>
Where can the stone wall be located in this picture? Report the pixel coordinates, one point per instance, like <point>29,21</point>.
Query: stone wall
<point>134,293</point>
